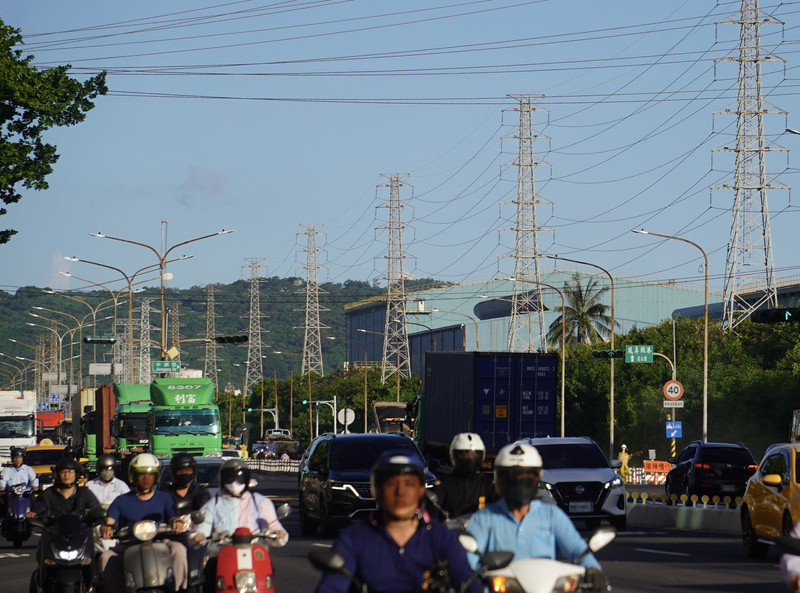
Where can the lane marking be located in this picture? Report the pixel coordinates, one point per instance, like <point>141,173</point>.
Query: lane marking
<point>661,552</point>
<point>619,533</point>
<point>13,555</point>
<point>323,545</point>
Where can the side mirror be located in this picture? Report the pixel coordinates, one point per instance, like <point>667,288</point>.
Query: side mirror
<point>602,538</point>
<point>773,480</point>
<point>671,459</point>
<point>496,560</point>
<point>198,517</point>
<point>252,483</point>
<point>616,464</point>
<point>468,542</point>
<point>330,561</point>
<point>284,511</point>
<point>182,506</point>
<point>434,464</point>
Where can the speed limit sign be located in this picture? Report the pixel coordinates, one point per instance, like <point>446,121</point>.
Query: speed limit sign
<point>673,390</point>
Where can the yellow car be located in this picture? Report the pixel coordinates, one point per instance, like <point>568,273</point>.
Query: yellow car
<point>42,458</point>
<point>772,499</point>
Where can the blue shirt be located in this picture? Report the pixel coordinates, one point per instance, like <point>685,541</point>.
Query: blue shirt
<point>11,476</point>
<point>374,558</point>
<point>543,530</point>
<point>126,509</point>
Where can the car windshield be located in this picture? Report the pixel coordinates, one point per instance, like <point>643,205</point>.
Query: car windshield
<point>571,456</point>
<point>727,455</point>
<point>16,427</point>
<point>43,456</point>
<point>207,474</point>
<point>88,424</point>
<point>363,453</point>
<point>133,427</point>
<point>187,422</point>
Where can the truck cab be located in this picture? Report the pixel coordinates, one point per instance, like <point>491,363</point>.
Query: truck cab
<point>17,421</point>
<point>130,422</point>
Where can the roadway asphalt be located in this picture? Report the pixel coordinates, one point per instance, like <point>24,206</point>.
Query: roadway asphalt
<point>639,560</point>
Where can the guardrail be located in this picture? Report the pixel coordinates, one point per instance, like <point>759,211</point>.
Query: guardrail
<point>274,465</point>
<point>704,513</point>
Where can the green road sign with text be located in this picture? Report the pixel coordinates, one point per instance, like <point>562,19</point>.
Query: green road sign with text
<point>638,354</point>
<point>167,366</point>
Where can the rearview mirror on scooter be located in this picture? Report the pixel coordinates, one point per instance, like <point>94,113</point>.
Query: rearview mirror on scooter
<point>197,517</point>
<point>600,539</point>
<point>284,511</point>
<point>330,561</point>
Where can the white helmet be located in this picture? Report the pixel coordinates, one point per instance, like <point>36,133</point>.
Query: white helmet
<point>516,471</point>
<point>518,455</point>
<point>466,441</point>
<point>625,447</point>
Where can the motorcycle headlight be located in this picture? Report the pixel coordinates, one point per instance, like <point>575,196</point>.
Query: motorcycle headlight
<point>67,555</point>
<point>615,483</point>
<point>19,489</point>
<point>144,531</point>
<point>245,581</point>
<point>567,584</point>
<point>499,584</point>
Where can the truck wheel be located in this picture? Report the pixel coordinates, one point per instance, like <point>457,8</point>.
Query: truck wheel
<point>307,526</point>
<point>752,547</point>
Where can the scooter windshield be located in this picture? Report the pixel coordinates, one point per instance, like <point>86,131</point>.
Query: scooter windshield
<point>68,527</point>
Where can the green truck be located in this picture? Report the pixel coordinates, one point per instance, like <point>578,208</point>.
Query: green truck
<point>184,418</point>
<point>131,418</point>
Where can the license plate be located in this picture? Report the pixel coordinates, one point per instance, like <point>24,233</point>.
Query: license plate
<point>728,488</point>
<point>580,507</point>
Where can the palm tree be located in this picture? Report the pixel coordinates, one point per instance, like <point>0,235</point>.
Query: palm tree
<point>586,319</point>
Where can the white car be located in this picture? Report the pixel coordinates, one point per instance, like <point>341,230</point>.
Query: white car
<point>579,479</point>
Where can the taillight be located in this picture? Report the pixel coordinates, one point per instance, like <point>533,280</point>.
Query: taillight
<point>702,466</point>
<point>752,467</point>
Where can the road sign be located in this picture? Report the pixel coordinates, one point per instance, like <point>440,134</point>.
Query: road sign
<point>167,366</point>
<point>668,403</point>
<point>100,368</point>
<point>674,430</point>
<point>346,416</point>
<point>639,353</point>
<point>49,377</point>
<point>673,390</point>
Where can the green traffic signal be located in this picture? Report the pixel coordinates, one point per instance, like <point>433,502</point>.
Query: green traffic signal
<point>788,315</point>
<point>230,339</point>
<point>249,409</point>
<point>305,401</point>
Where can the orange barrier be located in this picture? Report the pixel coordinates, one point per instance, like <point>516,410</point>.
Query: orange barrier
<point>657,467</point>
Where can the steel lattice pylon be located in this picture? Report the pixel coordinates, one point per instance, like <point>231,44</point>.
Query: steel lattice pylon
<point>174,327</point>
<point>395,339</point>
<point>254,332</point>
<point>312,346</point>
<point>526,326</point>
<point>210,369</point>
<point>144,375</point>
<point>749,264</point>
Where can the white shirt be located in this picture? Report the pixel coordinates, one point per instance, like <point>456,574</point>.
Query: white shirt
<point>11,476</point>
<point>106,492</point>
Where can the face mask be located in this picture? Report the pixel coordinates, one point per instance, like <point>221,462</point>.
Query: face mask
<point>183,480</point>
<point>106,475</point>
<point>520,492</point>
<point>235,488</point>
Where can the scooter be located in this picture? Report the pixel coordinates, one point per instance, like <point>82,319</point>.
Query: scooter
<point>16,528</point>
<point>244,565</point>
<point>66,554</point>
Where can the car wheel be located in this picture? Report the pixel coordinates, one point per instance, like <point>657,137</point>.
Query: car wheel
<point>307,525</point>
<point>619,522</point>
<point>752,547</point>
<point>787,524</point>
<point>328,530</point>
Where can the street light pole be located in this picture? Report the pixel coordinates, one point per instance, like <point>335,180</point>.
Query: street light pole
<point>705,324</point>
<point>428,328</point>
<point>275,382</point>
<point>364,348</point>
<point>291,391</point>
<point>310,419</point>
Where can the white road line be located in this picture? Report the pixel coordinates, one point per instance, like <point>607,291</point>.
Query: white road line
<point>13,555</point>
<point>621,533</point>
<point>661,552</point>
<point>323,545</point>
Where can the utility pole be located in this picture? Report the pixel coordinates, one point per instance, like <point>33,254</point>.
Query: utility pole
<point>312,346</point>
<point>253,371</point>
<point>749,265</point>
<point>144,376</point>
<point>210,369</point>
<point>395,339</point>
<point>526,327</point>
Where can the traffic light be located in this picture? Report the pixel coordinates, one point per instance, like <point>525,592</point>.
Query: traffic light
<point>230,339</point>
<point>790,315</point>
<point>608,354</point>
<point>305,401</point>
<point>249,409</point>
<point>99,339</point>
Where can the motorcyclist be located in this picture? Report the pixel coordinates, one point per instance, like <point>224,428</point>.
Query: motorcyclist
<point>105,486</point>
<point>521,524</point>
<point>143,502</point>
<point>466,489</point>
<point>235,506</point>
<point>16,474</point>
<point>65,497</point>
<point>183,469</point>
<point>398,546</point>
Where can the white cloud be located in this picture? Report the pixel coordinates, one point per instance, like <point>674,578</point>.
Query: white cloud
<point>58,264</point>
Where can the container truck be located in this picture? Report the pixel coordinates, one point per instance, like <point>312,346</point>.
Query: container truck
<point>17,421</point>
<point>184,418</point>
<point>502,396</point>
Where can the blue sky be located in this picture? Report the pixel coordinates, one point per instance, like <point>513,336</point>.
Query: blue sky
<point>265,116</point>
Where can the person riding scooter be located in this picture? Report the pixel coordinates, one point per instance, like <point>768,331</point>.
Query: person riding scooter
<point>105,486</point>
<point>65,497</point>
<point>466,489</point>
<point>144,502</point>
<point>183,469</point>
<point>15,475</point>
<point>521,524</point>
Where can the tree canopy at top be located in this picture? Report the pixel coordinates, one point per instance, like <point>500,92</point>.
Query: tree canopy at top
<point>31,102</point>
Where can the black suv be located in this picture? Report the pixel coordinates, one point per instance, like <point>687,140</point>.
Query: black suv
<point>334,481</point>
<point>711,468</point>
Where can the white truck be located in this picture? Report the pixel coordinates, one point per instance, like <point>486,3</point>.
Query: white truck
<point>17,421</point>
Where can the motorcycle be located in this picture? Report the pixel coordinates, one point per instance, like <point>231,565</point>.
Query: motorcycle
<point>243,564</point>
<point>15,526</point>
<point>66,554</point>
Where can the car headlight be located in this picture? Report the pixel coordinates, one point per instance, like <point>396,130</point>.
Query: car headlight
<point>144,531</point>
<point>67,555</point>
<point>245,581</point>
<point>500,584</point>
<point>567,584</point>
<point>214,454</point>
<point>615,483</point>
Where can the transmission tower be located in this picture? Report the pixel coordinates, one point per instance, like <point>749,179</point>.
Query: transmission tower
<point>749,265</point>
<point>143,376</point>
<point>210,371</point>
<point>395,337</point>
<point>41,397</point>
<point>526,327</point>
<point>254,333</point>
<point>312,346</point>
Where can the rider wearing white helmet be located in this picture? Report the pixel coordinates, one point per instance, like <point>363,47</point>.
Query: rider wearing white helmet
<point>466,489</point>
<point>520,523</point>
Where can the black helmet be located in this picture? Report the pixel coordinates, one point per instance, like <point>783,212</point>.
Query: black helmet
<point>66,463</point>
<point>395,463</point>
<point>17,451</point>
<point>234,470</point>
<point>106,461</point>
<point>182,461</point>
<point>69,452</point>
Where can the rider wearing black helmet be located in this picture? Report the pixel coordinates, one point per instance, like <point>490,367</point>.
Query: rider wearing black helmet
<point>65,497</point>
<point>398,547</point>
<point>105,486</point>
<point>183,470</point>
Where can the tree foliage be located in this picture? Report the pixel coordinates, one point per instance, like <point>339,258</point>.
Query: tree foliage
<point>585,316</point>
<point>32,102</point>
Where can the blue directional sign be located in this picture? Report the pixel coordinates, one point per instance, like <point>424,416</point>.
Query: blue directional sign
<point>674,430</point>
